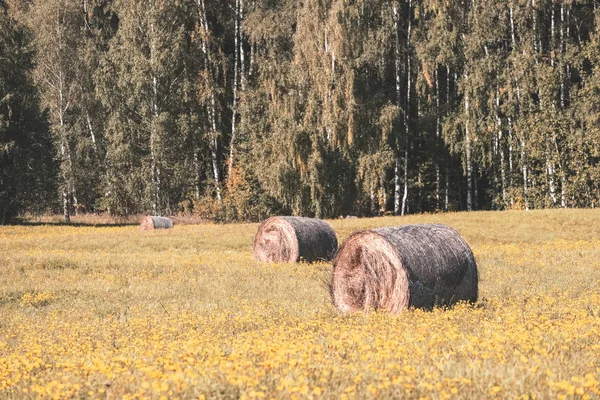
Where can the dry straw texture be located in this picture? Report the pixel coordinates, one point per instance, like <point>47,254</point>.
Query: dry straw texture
<point>150,222</point>
<point>395,267</point>
<point>289,239</point>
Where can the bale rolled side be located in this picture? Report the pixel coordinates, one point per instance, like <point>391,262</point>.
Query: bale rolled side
<point>289,239</point>
<point>393,268</point>
<point>154,222</point>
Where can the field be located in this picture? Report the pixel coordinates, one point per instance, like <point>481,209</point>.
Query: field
<point>113,312</point>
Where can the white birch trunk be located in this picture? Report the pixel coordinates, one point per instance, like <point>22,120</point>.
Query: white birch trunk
<point>510,154</point>
<point>397,186</point>
<point>236,77</point>
<point>251,66</point>
<point>563,95</point>
<point>512,29</point>
<point>550,170</point>
<point>447,189</point>
<point>211,107</point>
<point>241,46</point>
<point>397,178</point>
<point>500,150</point>
<point>536,47</point>
<point>562,50</point>
<point>68,193</point>
<point>563,187</point>
<point>196,163</point>
<point>407,109</point>
<point>447,183</point>
<point>525,177</point>
<point>154,139</point>
<point>437,136</point>
<point>373,201</point>
<point>469,169</point>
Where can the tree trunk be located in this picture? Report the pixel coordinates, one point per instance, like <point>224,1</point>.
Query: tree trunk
<point>252,51</point>
<point>154,135</point>
<point>373,201</point>
<point>525,177</point>
<point>536,45</point>
<point>91,130</point>
<point>68,192</point>
<point>469,168</point>
<point>437,137</point>
<point>447,183</point>
<point>236,77</point>
<point>447,189</point>
<point>501,151</point>
<point>550,171</point>
<point>241,46</point>
<point>407,121</point>
<point>475,193</point>
<point>211,107</point>
<point>397,183</point>
<point>65,201</point>
<point>563,95</point>
<point>397,177</point>
<point>197,180</point>
<point>383,208</point>
<point>512,29</point>
<point>562,58</point>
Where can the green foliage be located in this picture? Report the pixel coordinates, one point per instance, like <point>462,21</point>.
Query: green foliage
<point>27,167</point>
<point>319,108</point>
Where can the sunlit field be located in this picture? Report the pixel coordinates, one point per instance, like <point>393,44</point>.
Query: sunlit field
<point>114,312</point>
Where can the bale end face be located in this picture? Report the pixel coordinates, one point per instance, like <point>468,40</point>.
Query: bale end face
<point>147,224</point>
<point>368,274</point>
<point>276,241</point>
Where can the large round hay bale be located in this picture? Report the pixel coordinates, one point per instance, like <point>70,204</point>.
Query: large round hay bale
<point>154,222</point>
<point>289,239</point>
<point>396,267</point>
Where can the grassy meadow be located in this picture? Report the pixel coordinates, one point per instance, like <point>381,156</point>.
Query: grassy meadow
<point>113,312</point>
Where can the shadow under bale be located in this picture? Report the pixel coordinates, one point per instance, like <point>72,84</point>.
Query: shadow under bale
<point>290,239</point>
<point>153,222</point>
<point>396,267</point>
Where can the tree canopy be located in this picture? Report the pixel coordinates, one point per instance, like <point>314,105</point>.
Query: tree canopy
<point>239,109</point>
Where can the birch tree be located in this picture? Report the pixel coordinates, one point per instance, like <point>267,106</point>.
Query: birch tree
<point>57,25</point>
<point>141,87</point>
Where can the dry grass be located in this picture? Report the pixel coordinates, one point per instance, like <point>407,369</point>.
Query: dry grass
<point>112,312</point>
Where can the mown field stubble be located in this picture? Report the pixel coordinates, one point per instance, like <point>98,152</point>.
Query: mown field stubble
<point>113,312</point>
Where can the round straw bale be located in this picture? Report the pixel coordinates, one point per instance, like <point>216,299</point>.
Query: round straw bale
<point>396,267</point>
<point>154,222</point>
<point>289,239</point>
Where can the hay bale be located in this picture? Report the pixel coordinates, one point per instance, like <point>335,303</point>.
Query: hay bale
<point>154,222</point>
<point>396,267</point>
<point>288,239</point>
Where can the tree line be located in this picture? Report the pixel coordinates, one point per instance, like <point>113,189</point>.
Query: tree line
<point>239,109</point>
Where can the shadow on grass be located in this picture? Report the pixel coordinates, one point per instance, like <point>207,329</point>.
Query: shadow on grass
<point>74,224</point>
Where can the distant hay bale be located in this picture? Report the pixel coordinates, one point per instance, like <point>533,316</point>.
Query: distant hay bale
<point>153,222</point>
<point>289,239</point>
<point>396,267</point>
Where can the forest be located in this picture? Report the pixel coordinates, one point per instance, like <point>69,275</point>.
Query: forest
<point>234,110</point>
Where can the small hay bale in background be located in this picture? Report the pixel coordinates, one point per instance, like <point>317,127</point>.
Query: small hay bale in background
<point>154,222</point>
<point>289,239</point>
<point>396,267</point>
